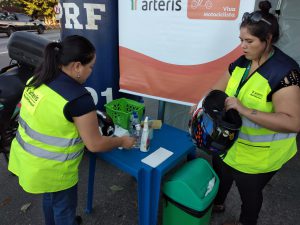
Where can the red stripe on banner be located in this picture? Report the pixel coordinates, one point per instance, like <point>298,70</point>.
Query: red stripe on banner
<point>143,74</point>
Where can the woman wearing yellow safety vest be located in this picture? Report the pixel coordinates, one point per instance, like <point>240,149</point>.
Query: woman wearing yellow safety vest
<point>57,119</point>
<point>263,86</point>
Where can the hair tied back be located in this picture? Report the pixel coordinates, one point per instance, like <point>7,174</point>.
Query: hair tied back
<point>264,7</point>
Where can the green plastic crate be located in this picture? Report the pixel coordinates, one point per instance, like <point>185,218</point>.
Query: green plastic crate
<point>121,109</point>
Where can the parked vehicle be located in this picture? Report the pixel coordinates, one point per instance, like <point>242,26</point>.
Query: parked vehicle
<point>26,51</point>
<point>11,22</point>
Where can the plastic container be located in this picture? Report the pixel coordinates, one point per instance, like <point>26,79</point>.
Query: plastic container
<point>145,140</point>
<point>121,109</point>
<point>133,121</point>
<point>189,193</point>
<point>137,135</point>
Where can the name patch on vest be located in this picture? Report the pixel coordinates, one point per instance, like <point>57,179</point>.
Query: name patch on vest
<point>256,94</point>
<point>32,98</point>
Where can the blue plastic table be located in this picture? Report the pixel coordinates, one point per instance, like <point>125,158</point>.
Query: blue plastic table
<point>148,178</point>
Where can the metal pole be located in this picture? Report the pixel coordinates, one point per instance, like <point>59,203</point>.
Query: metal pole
<point>161,110</point>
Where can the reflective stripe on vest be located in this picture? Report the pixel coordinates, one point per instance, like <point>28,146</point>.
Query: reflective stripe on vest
<point>265,137</point>
<point>42,153</point>
<point>50,140</point>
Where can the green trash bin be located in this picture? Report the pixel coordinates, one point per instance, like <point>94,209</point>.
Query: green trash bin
<point>189,194</point>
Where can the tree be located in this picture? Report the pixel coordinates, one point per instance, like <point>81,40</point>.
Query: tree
<point>38,8</point>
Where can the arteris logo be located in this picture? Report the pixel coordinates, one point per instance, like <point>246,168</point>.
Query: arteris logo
<point>156,5</point>
<point>133,4</point>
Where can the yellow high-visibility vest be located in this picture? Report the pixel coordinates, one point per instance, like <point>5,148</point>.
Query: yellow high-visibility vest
<point>257,149</point>
<point>47,150</point>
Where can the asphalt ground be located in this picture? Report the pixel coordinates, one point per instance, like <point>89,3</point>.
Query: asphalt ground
<point>115,196</point>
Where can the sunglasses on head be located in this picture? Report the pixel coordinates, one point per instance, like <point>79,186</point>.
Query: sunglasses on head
<point>255,17</point>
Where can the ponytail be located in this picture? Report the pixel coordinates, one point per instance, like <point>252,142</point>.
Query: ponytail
<point>49,68</point>
<point>73,48</point>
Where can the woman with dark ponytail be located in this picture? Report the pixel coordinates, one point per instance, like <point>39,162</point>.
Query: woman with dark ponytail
<point>57,120</point>
<point>263,86</point>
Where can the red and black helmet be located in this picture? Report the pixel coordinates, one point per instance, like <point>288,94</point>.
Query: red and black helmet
<point>212,128</point>
<point>106,124</point>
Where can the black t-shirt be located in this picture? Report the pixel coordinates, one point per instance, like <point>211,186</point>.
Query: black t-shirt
<point>80,101</point>
<point>79,107</point>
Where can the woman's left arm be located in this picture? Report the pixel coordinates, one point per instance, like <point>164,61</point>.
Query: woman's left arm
<point>286,117</point>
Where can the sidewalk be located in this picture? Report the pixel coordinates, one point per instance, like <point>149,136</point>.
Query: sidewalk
<point>115,198</point>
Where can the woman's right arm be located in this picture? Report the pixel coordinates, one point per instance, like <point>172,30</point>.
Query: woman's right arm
<point>87,126</point>
<point>222,83</point>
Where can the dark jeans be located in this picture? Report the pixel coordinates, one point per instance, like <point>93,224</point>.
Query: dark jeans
<point>60,207</point>
<point>250,187</point>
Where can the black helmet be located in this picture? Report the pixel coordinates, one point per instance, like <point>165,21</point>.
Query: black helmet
<point>106,124</point>
<point>212,128</point>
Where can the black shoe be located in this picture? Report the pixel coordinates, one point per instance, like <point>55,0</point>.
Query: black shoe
<point>78,220</point>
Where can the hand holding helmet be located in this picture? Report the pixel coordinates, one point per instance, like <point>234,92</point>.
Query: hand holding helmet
<point>212,128</point>
<point>234,103</point>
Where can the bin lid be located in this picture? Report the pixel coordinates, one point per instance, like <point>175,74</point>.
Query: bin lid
<point>194,185</point>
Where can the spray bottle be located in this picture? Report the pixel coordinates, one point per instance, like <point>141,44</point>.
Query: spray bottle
<point>145,141</point>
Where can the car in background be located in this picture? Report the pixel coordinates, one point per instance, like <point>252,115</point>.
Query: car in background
<point>11,22</point>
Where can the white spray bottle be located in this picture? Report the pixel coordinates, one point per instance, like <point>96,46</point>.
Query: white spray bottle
<point>145,141</point>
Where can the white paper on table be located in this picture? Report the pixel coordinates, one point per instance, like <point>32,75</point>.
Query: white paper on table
<point>157,157</point>
<point>120,132</point>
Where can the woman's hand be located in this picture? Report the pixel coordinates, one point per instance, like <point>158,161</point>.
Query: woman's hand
<point>128,142</point>
<point>234,103</point>
<point>285,117</point>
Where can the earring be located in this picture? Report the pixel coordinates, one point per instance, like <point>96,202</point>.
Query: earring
<point>78,76</point>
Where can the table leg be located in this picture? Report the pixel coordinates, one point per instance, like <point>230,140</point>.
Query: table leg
<point>149,181</point>
<point>192,155</point>
<point>155,195</point>
<point>144,192</point>
<point>92,167</point>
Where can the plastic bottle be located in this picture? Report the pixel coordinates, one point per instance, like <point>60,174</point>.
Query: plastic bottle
<point>134,120</point>
<point>137,135</point>
<point>145,141</point>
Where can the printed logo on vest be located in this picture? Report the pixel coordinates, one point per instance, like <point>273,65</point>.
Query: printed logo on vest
<point>32,97</point>
<point>256,94</point>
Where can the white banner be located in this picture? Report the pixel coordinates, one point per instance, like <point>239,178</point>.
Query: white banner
<point>176,50</point>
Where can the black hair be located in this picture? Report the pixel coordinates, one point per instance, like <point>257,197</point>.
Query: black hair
<point>261,29</point>
<point>73,48</point>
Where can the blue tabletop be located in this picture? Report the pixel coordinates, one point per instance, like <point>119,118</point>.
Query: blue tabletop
<point>175,140</point>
